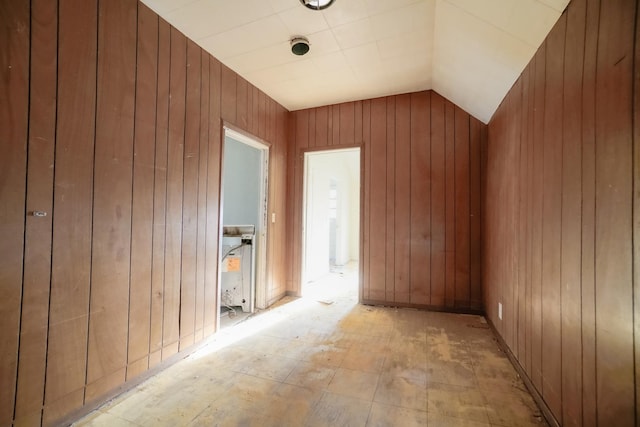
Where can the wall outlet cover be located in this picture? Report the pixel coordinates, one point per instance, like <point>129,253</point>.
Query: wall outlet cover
<point>500,310</point>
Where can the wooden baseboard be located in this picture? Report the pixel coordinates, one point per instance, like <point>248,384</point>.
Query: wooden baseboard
<point>91,406</point>
<point>457,310</point>
<point>537,397</point>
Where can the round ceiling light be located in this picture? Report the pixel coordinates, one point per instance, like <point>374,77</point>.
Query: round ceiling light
<point>299,46</point>
<point>317,4</point>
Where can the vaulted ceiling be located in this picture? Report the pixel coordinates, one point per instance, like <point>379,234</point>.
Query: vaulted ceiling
<point>469,51</point>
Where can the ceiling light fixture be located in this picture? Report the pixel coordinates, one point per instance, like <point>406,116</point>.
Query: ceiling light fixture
<point>317,4</point>
<point>299,45</point>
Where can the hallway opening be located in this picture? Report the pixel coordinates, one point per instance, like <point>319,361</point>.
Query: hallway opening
<point>331,224</point>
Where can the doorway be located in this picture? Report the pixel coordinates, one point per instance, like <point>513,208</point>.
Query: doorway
<point>331,223</point>
<point>243,218</point>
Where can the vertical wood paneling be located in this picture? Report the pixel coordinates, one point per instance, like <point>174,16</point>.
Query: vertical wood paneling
<point>329,124</point>
<point>508,188</point>
<point>484,236</point>
<point>552,221</point>
<point>475,223</point>
<point>213,199</point>
<point>450,204</point>
<point>262,114</point>
<point>280,231</point>
<point>578,137</point>
<point>536,259</point>
<point>589,389</point>
<point>37,252</point>
<point>14,44</point>
<point>390,193</point>
<point>160,192</point>
<point>202,197</point>
<point>528,97</point>
<point>510,295</point>
<point>347,125</point>
<point>273,166</point>
<point>571,216</point>
<point>292,167</point>
<point>253,107</point>
<point>242,102</point>
<point>613,220</point>
<point>311,129</point>
<point>438,203</point>
<point>72,207</point>
<point>118,118</point>
<point>523,210</point>
<point>335,125</point>
<point>250,121</point>
<point>378,186</point>
<point>462,224</point>
<point>492,293</point>
<point>402,224</point>
<point>357,118</point>
<point>404,178</point>
<point>301,135</point>
<point>420,198</point>
<point>636,211</point>
<point>321,126</point>
<point>366,202</point>
<point>175,176</point>
<point>143,186</point>
<point>111,237</point>
<point>228,88</point>
<point>191,163</point>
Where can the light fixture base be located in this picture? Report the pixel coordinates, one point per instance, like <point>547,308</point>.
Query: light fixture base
<point>299,45</point>
<point>317,4</point>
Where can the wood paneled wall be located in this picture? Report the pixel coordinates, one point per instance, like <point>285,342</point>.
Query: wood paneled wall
<point>110,122</point>
<point>560,224</point>
<point>421,175</point>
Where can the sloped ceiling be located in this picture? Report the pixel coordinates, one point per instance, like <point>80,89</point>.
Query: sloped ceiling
<point>469,51</point>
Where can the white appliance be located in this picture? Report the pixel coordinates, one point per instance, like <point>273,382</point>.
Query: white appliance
<point>237,266</point>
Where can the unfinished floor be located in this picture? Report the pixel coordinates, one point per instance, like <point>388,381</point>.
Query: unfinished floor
<point>327,361</point>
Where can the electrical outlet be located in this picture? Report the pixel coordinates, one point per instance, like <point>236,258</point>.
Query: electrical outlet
<point>500,310</point>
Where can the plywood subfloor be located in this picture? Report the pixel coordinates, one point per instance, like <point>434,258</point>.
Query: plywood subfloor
<point>310,363</point>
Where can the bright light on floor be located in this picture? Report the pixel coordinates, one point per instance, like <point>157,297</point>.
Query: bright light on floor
<point>342,281</point>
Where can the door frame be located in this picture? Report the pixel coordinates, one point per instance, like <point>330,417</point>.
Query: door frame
<point>260,269</point>
<point>304,170</point>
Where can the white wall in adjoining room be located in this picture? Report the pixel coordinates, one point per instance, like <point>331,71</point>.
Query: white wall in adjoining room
<point>344,168</point>
<point>241,180</point>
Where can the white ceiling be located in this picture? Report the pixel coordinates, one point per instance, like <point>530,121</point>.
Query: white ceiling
<point>469,51</point>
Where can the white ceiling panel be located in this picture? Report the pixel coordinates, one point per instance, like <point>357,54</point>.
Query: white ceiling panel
<point>364,59</point>
<point>247,38</point>
<point>321,43</point>
<point>558,5</point>
<point>470,51</point>
<point>203,18</point>
<point>270,56</point>
<point>375,7</point>
<point>402,20</point>
<point>355,34</point>
<point>349,11</point>
<point>300,20</point>
<point>513,17</point>
<point>332,65</point>
<point>282,5</point>
<point>473,59</point>
<point>403,46</point>
<point>162,7</point>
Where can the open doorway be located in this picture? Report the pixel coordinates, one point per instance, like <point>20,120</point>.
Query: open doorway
<point>243,213</point>
<point>331,223</point>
